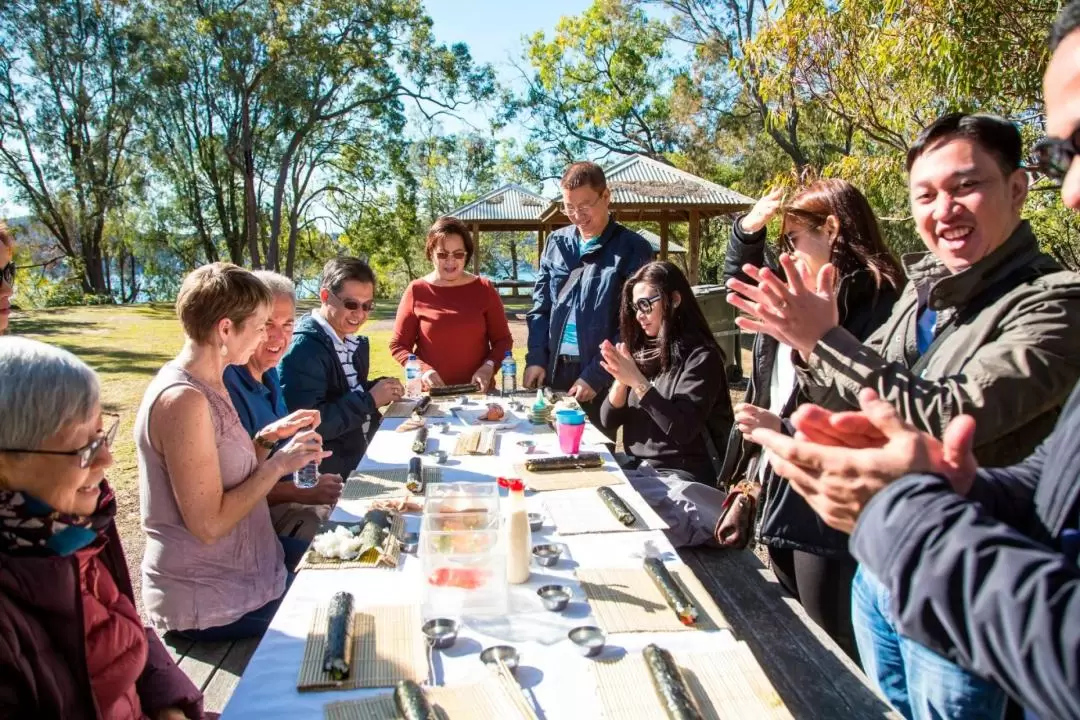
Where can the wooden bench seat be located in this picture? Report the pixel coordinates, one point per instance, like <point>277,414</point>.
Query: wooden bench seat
<point>214,667</point>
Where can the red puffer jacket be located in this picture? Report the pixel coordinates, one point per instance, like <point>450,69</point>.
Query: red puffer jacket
<point>45,671</point>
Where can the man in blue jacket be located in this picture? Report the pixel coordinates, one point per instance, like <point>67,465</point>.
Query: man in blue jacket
<point>577,293</point>
<point>981,563</point>
<point>326,366</point>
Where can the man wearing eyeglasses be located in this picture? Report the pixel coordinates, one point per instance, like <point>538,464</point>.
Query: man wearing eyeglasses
<point>981,563</point>
<point>327,363</point>
<point>576,295</point>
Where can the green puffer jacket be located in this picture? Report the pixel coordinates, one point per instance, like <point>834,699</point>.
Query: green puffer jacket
<point>1011,365</point>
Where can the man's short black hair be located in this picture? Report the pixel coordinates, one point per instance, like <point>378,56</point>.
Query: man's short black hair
<point>1068,22</point>
<point>992,133</point>
<point>341,270</point>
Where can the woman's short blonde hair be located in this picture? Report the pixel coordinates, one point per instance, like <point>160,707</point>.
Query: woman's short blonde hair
<point>217,291</point>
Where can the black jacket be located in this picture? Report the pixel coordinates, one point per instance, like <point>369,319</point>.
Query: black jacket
<point>991,580</point>
<point>667,426</point>
<point>785,520</point>
<point>312,378</point>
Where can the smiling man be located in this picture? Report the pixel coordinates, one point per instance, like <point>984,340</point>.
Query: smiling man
<point>983,329</point>
<point>576,295</point>
<point>326,366</point>
<point>978,564</point>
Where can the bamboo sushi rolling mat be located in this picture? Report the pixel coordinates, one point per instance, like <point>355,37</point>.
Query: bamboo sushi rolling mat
<point>567,479</point>
<point>388,558</point>
<point>404,408</point>
<point>575,512</point>
<point>380,484</point>
<point>496,697</point>
<point>627,600</point>
<point>387,647</point>
<point>727,684</point>
<point>475,442</point>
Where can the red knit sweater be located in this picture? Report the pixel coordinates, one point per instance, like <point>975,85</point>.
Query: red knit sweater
<point>452,329</point>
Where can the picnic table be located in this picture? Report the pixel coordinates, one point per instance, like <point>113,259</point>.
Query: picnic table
<point>809,673</point>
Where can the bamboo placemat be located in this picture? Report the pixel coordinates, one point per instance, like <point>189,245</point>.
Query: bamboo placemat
<point>475,442</point>
<point>582,511</point>
<point>496,697</point>
<point>567,479</point>
<point>627,600</point>
<point>404,408</point>
<point>388,647</point>
<point>389,557</point>
<point>726,684</point>
<point>380,484</point>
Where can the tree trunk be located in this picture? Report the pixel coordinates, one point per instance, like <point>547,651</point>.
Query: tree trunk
<point>513,260</point>
<point>120,273</point>
<point>251,209</point>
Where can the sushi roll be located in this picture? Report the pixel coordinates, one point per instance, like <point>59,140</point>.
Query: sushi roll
<point>414,479</point>
<point>419,444</point>
<point>337,659</point>
<point>565,462</point>
<point>615,504</point>
<point>412,703</point>
<point>673,593</point>
<point>669,684</point>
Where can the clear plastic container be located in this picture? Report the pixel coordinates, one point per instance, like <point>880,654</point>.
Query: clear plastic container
<point>463,558</point>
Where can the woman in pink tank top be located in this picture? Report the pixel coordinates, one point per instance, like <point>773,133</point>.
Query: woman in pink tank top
<point>213,568</point>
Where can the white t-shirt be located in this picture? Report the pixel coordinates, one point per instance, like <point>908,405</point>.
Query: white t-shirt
<point>782,383</point>
<point>345,350</point>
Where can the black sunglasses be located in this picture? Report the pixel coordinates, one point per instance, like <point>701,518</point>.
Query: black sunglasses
<point>86,453</point>
<point>645,305</point>
<point>1053,157</point>
<point>354,305</point>
<point>7,274</point>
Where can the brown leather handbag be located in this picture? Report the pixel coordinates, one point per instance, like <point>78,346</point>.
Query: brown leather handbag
<point>735,528</point>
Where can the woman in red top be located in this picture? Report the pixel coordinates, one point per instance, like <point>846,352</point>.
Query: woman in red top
<point>453,321</point>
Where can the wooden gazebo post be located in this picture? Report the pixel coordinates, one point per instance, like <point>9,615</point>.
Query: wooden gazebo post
<point>694,249</point>
<point>476,248</point>
<point>663,235</point>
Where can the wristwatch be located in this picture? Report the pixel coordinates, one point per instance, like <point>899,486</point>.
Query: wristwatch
<point>263,442</point>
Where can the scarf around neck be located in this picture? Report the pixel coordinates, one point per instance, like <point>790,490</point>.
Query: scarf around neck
<point>29,526</point>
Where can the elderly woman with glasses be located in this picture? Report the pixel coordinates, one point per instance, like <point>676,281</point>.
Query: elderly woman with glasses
<point>214,568</point>
<point>7,275</point>
<point>72,644</point>
<point>453,321</point>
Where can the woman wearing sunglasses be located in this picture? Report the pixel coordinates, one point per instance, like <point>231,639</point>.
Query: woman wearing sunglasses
<point>72,644</point>
<point>669,396</point>
<point>7,275</point>
<point>827,221</point>
<point>214,568</point>
<point>453,321</point>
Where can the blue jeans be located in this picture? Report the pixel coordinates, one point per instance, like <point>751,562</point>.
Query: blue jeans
<point>918,682</point>
<point>255,622</point>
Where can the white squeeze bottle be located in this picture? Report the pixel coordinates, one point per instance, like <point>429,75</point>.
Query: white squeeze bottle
<point>519,536</point>
<point>509,375</point>
<point>412,377</point>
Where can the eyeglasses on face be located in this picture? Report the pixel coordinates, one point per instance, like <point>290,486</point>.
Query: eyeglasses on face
<point>354,305</point>
<point>86,453</point>
<point>7,274</point>
<point>582,209</point>
<point>1053,156</point>
<point>645,305</point>
<point>457,255</point>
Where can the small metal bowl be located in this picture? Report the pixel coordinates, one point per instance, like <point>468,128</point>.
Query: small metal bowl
<point>440,456</point>
<point>463,400</point>
<point>554,597</point>
<point>546,555</point>
<point>410,542</point>
<point>442,428</point>
<point>588,639</point>
<point>507,654</point>
<point>441,633</point>
<point>527,445</point>
<point>536,522</point>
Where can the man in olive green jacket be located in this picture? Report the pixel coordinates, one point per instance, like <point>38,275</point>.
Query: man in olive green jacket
<point>982,329</point>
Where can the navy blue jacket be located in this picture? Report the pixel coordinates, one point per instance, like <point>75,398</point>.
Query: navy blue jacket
<point>595,300</point>
<point>991,580</point>
<point>312,378</point>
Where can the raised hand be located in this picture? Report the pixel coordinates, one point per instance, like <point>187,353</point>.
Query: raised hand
<point>763,211</point>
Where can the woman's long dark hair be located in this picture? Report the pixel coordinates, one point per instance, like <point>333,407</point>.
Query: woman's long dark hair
<point>683,327</point>
<point>859,245</point>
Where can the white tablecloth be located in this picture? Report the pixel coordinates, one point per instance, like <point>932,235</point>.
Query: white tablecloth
<point>551,672</point>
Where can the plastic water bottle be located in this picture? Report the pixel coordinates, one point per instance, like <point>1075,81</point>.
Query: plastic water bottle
<point>412,377</point>
<point>307,477</point>
<point>509,375</point>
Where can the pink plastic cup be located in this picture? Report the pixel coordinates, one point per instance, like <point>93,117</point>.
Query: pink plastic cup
<point>570,438</point>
